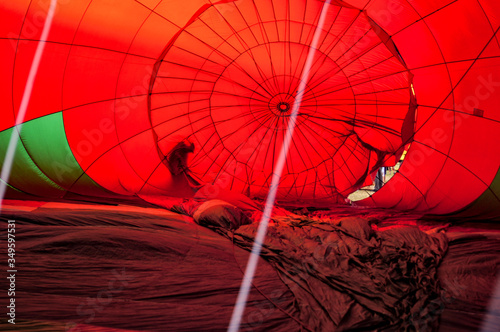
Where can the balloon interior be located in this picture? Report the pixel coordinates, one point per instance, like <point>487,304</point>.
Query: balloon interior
<point>143,141</point>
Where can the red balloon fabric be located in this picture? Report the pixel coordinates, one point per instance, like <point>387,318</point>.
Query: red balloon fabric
<point>227,83</point>
<point>142,97</point>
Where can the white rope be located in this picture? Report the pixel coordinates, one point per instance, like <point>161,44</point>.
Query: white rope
<point>240,305</point>
<point>21,114</point>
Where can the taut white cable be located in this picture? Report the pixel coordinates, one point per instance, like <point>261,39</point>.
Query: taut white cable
<point>241,301</point>
<point>21,114</point>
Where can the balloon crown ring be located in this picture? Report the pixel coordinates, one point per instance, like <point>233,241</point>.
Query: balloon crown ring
<point>283,107</point>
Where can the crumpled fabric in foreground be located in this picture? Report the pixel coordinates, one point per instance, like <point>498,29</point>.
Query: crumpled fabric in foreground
<point>184,277</point>
<point>344,274</point>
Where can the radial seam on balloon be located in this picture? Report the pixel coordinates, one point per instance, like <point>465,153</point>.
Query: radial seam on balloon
<point>355,150</point>
<point>232,153</point>
<point>303,149</point>
<point>265,36</point>
<point>214,161</point>
<point>242,42</point>
<point>260,145</point>
<point>224,41</point>
<point>313,132</point>
<point>209,72</point>
<point>371,79</point>
<point>222,167</point>
<point>338,39</point>
<point>360,82</point>
<point>182,127</point>
<point>375,65</point>
<point>310,35</point>
<point>274,20</point>
<point>222,143</point>
<point>213,73</point>
<point>11,150</point>
<point>358,55</point>
<point>146,181</point>
<point>216,49</point>
<point>336,148</point>
<point>264,116</point>
<point>261,232</point>
<point>268,150</point>
<point>287,38</point>
<point>288,162</point>
<point>169,45</point>
<point>334,21</point>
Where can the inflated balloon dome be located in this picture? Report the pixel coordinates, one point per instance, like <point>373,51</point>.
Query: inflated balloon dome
<point>153,97</point>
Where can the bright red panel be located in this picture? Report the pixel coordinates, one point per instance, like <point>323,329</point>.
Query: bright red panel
<point>90,76</point>
<point>46,95</point>
<point>111,24</point>
<point>7,113</point>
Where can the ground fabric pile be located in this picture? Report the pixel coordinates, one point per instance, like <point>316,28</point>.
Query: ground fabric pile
<point>335,270</point>
<point>343,273</point>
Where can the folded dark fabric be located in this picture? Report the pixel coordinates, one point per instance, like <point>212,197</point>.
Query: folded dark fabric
<point>344,274</point>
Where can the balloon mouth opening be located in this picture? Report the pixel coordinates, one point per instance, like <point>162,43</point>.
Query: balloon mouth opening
<point>283,107</point>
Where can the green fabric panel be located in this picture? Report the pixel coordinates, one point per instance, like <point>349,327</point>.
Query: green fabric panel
<point>52,169</point>
<point>45,140</point>
<point>25,175</point>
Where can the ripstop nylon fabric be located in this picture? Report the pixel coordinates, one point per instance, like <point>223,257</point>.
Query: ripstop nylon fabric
<point>123,83</point>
